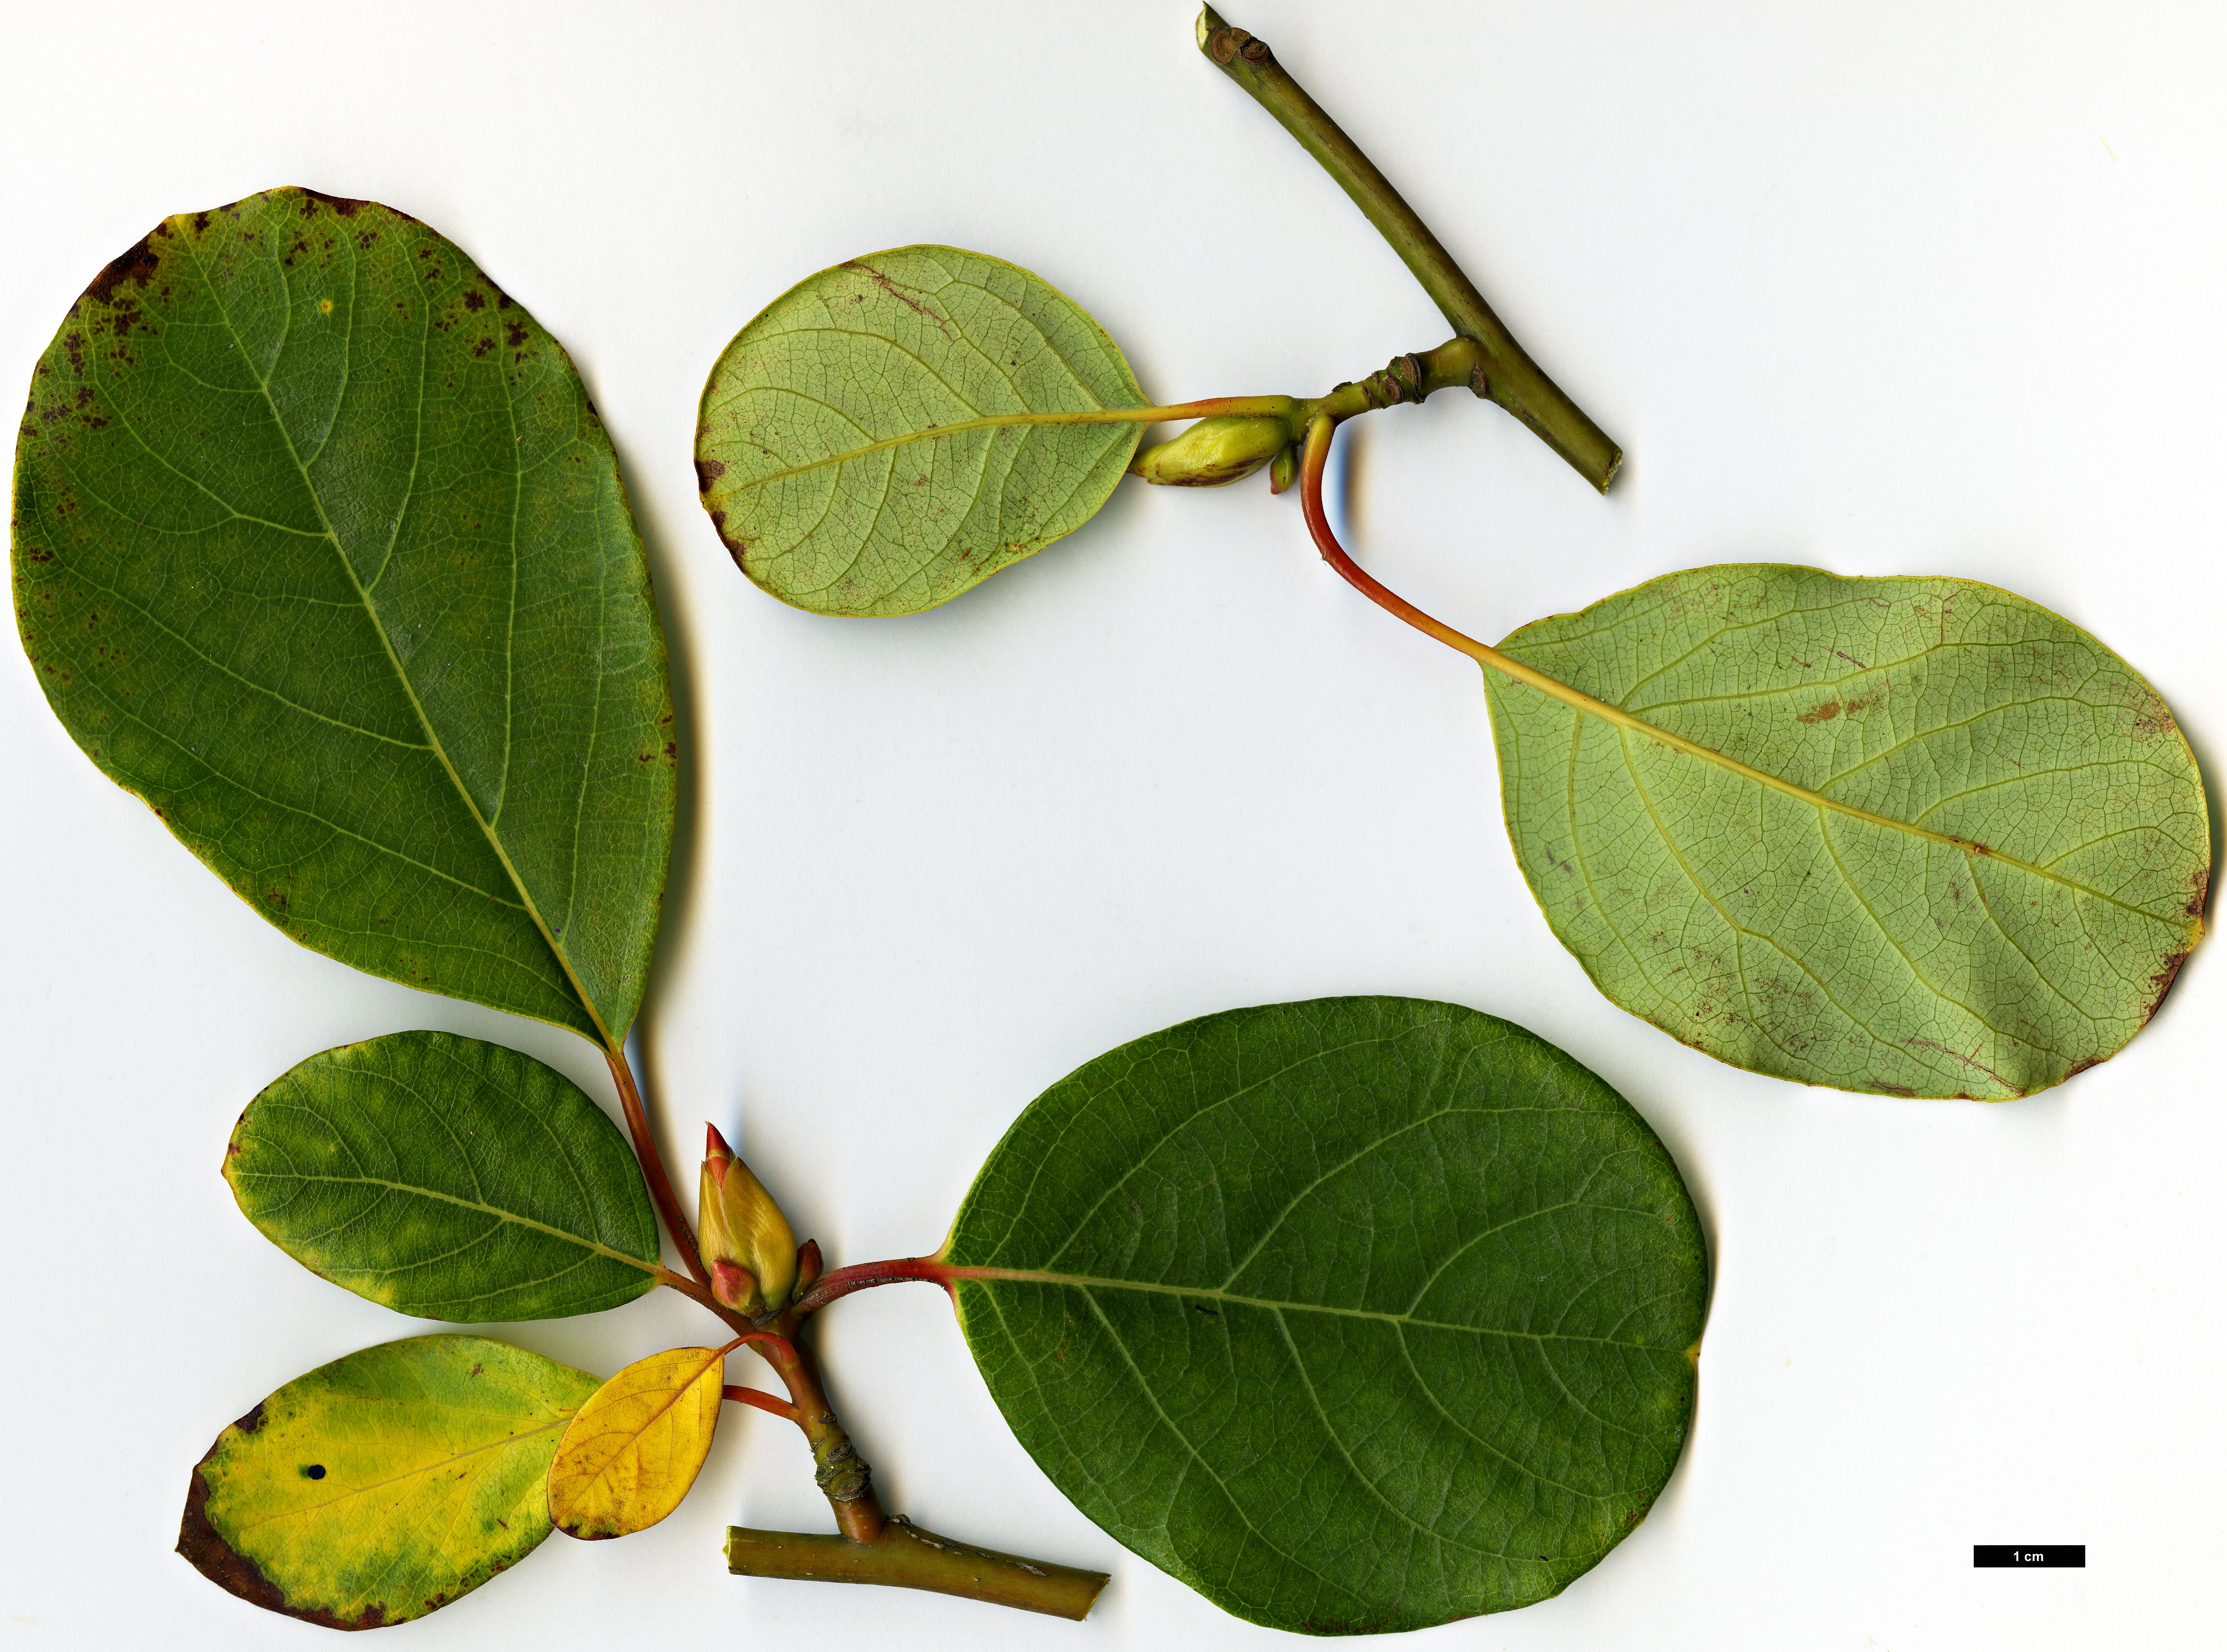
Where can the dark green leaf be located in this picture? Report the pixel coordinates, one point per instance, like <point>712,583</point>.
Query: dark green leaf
<point>1361,1314</point>
<point>446,1177</point>
<point>1909,835</point>
<point>887,433</point>
<point>385,1484</point>
<point>320,548</point>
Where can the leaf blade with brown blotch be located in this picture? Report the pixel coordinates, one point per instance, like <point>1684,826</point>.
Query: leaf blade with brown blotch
<point>1918,836</point>
<point>321,549</point>
<point>374,1489</point>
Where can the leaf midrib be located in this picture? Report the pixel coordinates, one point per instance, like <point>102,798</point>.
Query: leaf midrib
<point>1088,1282</point>
<point>933,433</point>
<point>1584,703</point>
<point>561,1420</point>
<point>371,613</point>
<point>596,1245</point>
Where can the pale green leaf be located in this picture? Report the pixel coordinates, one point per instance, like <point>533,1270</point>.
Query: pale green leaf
<point>1358,1314</point>
<point>446,1177</point>
<point>1916,836</point>
<point>887,433</point>
<point>385,1484</point>
<point>321,549</point>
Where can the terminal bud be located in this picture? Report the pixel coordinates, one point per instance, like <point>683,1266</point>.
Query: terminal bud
<point>744,1240</point>
<point>1212,452</point>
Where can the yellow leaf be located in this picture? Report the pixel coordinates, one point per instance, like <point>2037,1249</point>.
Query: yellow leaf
<point>634,1448</point>
<point>385,1484</point>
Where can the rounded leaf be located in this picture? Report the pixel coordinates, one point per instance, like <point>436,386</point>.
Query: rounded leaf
<point>1359,1314</point>
<point>1916,836</point>
<point>447,1177</point>
<point>383,1485</point>
<point>893,430</point>
<point>321,549</point>
<point>630,1456</point>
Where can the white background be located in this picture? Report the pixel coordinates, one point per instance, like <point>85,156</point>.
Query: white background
<point>1890,289</point>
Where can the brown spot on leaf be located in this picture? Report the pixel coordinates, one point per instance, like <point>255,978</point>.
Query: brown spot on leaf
<point>1973,1061</point>
<point>1824,713</point>
<point>707,472</point>
<point>474,301</point>
<point>2163,980</point>
<point>345,206</point>
<point>890,288</point>
<point>736,548</point>
<point>513,334</point>
<point>138,265</point>
<point>2202,880</point>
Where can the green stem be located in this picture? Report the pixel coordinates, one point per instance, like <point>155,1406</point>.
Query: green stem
<point>906,1557</point>
<point>1506,375</point>
<point>842,1474</point>
<point>870,1545</point>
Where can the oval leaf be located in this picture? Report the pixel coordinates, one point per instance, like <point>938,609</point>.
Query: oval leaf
<point>385,1484</point>
<point>1916,836</point>
<point>630,1456</point>
<point>446,1177</point>
<point>320,548</point>
<point>1361,1314</point>
<point>876,441</point>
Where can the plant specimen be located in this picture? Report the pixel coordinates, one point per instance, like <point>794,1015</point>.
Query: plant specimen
<point>321,549</point>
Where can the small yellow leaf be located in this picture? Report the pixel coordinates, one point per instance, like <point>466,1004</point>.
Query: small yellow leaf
<point>632,1451</point>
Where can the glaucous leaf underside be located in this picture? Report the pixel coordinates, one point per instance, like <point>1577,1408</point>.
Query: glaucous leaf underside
<point>1355,1315</point>
<point>446,1177</point>
<point>321,550</point>
<point>1959,847</point>
<point>874,441</point>
<point>386,1484</point>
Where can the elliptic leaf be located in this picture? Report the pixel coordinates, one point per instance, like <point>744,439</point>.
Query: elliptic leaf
<point>1361,1314</point>
<point>631,1454</point>
<point>1907,835</point>
<point>320,548</point>
<point>889,432</point>
<point>385,1484</point>
<point>446,1177</point>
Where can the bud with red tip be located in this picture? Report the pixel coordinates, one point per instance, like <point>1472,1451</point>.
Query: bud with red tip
<point>744,1240</point>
